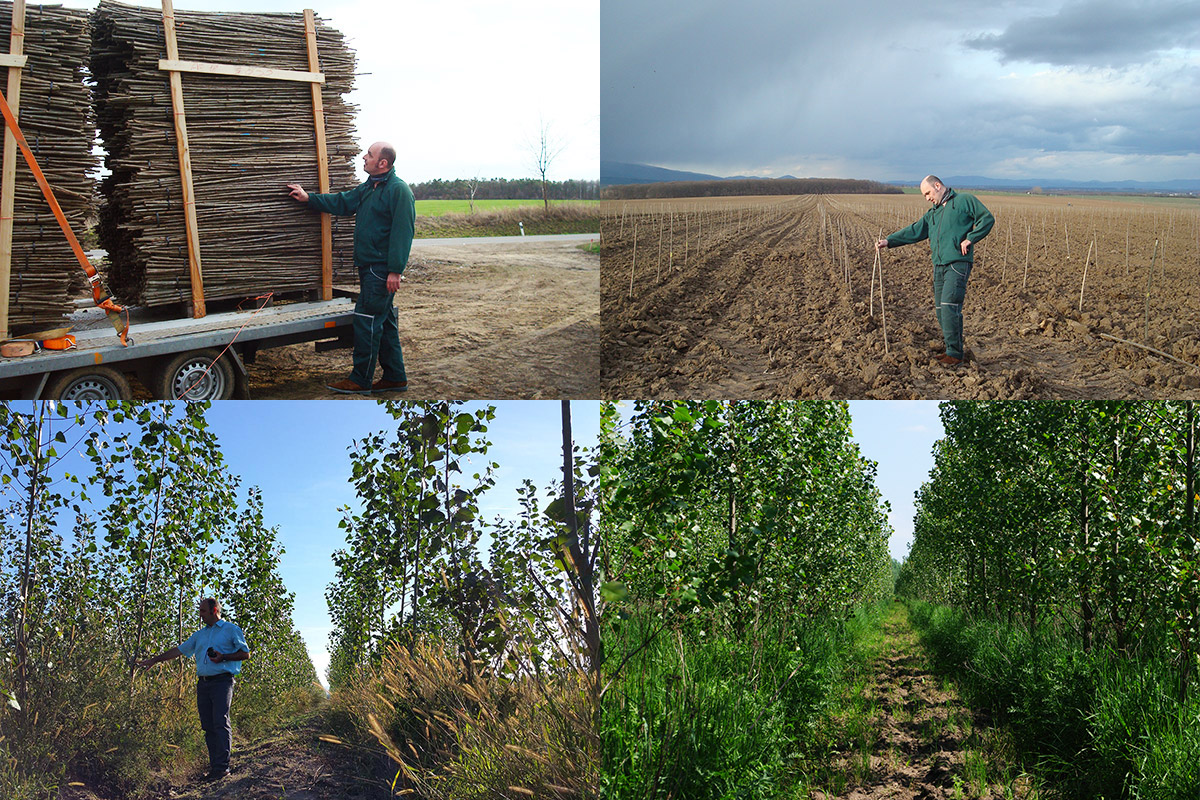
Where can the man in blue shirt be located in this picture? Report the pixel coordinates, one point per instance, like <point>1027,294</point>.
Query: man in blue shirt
<point>219,649</point>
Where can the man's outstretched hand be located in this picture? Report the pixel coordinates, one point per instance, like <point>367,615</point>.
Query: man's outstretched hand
<point>297,192</point>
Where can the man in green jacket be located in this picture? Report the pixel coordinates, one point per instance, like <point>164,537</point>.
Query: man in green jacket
<point>955,223</point>
<point>385,216</point>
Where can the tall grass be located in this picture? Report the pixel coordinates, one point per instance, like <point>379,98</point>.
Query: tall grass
<point>1100,725</point>
<point>718,715</point>
<point>449,738</point>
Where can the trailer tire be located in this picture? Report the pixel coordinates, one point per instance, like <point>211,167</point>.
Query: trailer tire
<point>88,385</point>
<point>192,371</point>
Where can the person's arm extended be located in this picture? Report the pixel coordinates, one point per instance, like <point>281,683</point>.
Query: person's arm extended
<point>917,232</point>
<point>169,655</point>
<point>339,203</point>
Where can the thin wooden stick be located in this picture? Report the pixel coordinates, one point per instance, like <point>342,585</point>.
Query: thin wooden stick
<point>633,264</point>
<point>1085,269</point>
<point>883,308</point>
<point>1150,349</point>
<point>1149,278</point>
<point>1028,234</point>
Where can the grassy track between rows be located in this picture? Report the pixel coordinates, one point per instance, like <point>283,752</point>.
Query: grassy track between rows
<point>436,208</point>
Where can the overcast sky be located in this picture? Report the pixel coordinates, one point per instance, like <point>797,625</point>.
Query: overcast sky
<point>1084,89</point>
<point>459,88</point>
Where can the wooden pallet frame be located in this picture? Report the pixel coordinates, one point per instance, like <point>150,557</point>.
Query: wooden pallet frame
<point>8,173</point>
<point>175,67</point>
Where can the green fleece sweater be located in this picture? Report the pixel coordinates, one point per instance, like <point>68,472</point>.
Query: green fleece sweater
<point>957,217</point>
<point>385,217</point>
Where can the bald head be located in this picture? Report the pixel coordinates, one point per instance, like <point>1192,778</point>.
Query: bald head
<point>379,158</point>
<point>933,189</point>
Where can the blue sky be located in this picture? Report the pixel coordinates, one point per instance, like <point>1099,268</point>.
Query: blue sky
<point>296,452</point>
<point>899,435</point>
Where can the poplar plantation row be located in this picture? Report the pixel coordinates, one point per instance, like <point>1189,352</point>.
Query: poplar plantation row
<point>103,555</point>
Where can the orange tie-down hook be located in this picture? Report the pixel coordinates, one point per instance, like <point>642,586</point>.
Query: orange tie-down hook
<point>102,298</point>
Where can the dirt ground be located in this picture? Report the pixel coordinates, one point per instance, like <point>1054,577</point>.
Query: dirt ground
<point>501,319</point>
<point>924,735</point>
<point>774,300</point>
<point>290,764</point>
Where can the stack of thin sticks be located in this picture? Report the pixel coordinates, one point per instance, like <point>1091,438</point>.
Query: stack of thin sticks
<point>55,115</point>
<point>248,137</point>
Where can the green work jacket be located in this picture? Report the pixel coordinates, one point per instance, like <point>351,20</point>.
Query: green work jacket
<point>957,217</point>
<point>385,217</point>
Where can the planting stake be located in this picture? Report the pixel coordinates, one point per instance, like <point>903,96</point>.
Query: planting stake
<point>1028,233</point>
<point>633,264</point>
<point>1085,269</point>
<point>1149,278</point>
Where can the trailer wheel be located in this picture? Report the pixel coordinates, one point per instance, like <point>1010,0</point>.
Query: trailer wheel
<point>197,375</point>
<point>88,385</point>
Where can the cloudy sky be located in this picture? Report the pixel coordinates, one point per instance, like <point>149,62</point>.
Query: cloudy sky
<point>460,88</point>
<point>1083,89</point>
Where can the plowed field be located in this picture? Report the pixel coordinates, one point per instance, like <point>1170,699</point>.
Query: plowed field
<point>771,297</point>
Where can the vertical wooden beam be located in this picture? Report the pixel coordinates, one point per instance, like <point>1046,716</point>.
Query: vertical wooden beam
<point>185,165</point>
<point>310,33</point>
<point>8,173</point>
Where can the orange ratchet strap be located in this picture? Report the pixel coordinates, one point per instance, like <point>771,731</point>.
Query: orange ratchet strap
<point>102,298</point>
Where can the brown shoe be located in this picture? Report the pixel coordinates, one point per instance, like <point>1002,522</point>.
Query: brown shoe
<point>382,385</point>
<point>348,386</point>
<point>949,361</point>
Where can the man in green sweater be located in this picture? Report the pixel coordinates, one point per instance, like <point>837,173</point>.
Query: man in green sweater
<point>385,216</point>
<point>955,223</point>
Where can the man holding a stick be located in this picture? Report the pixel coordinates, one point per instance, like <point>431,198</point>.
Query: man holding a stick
<point>219,649</point>
<point>385,217</point>
<point>955,223</point>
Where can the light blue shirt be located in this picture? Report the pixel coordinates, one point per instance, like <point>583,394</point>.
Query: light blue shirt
<point>222,636</point>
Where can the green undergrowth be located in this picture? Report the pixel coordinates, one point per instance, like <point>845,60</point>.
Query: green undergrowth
<point>1096,724</point>
<point>727,714</point>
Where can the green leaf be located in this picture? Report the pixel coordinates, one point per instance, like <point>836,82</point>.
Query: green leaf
<point>614,591</point>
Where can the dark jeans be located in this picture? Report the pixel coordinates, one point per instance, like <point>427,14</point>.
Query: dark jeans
<point>949,289</point>
<point>212,700</point>
<point>376,333</point>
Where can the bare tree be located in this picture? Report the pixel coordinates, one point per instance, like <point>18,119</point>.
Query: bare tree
<point>472,188</point>
<point>545,150</point>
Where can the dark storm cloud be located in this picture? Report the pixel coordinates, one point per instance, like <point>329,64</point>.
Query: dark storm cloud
<point>1101,33</point>
<point>886,91</point>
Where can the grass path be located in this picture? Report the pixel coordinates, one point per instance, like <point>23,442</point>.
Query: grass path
<point>903,733</point>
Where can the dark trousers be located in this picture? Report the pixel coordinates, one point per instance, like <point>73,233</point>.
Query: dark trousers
<point>949,289</point>
<point>212,700</point>
<point>376,332</point>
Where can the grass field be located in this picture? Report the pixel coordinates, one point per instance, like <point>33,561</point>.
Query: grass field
<point>436,208</point>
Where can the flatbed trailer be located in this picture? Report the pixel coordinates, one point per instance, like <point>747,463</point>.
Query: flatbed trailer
<point>194,359</point>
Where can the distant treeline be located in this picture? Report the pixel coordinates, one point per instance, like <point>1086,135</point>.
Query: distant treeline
<point>505,189</point>
<point>746,186</point>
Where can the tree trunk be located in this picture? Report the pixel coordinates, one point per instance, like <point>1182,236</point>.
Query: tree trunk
<point>580,548</point>
<point>31,517</point>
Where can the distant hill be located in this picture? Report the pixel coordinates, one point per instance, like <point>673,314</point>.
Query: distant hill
<point>615,173</point>
<point>732,187</point>
<point>1183,186</point>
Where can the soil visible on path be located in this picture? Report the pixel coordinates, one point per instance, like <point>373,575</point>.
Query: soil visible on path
<point>922,743</point>
<point>493,319</point>
<point>292,763</point>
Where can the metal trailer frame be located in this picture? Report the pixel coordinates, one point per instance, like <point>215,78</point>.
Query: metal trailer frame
<point>154,343</point>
